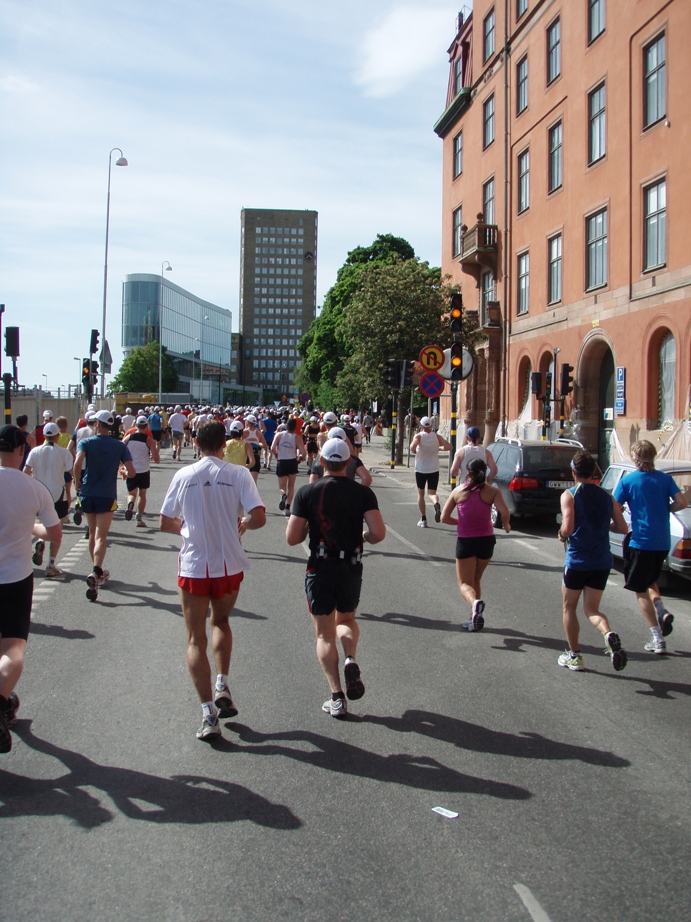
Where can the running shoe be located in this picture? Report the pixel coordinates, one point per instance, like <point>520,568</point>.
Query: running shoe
<point>224,702</point>
<point>77,515</point>
<point>477,618</point>
<point>282,504</point>
<point>141,523</point>
<point>337,707</point>
<point>437,512</point>
<point>129,512</point>
<point>656,645</point>
<point>613,649</point>
<point>355,687</point>
<point>39,548</point>
<point>286,511</point>
<point>209,730</point>
<point>10,710</point>
<point>105,575</point>
<point>175,454</point>
<point>52,571</point>
<point>423,522</point>
<point>573,661</point>
<point>664,619</point>
<point>5,735</point>
<point>92,583</point>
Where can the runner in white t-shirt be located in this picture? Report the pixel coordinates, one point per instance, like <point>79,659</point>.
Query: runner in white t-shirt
<point>49,463</point>
<point>204,504</point>
<point>473,449</point>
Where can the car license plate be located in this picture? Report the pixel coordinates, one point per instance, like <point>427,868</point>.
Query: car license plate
<point>559,484</point>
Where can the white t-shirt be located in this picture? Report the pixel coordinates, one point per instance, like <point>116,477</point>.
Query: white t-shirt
<point>177,422</point>
<point>470,453</point>
<point>49,464</point>
<point>22,498</point>
<point>286,448</point>
<point>127,421</point>
<point>210,496</point>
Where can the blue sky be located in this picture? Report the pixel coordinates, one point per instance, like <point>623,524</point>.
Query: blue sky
<point>217,105</point>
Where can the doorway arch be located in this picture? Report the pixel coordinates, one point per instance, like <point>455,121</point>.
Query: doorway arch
<point>596,391</point>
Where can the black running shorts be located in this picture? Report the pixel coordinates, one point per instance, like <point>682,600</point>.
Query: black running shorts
<point>139,481</point>
<point>482,547</point>
<point>15,608</point>
<point>585,579</point>
<point>286,467</point>
<point>333,585</point>
<point>642,568</point>
<point>432,481</point>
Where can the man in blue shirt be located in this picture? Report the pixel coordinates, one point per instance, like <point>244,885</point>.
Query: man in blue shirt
<point>650,495</point>
<point>100,458</point>
<point>156,424</point>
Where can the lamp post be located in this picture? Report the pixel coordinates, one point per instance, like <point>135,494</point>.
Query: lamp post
<point>165,265</point>
<point>201,362</point>
<point>121,161</point>
<point>196,339</point>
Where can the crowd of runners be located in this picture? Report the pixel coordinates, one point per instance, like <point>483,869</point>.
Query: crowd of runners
<point>75,472</point>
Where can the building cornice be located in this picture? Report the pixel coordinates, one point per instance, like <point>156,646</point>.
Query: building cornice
<point>452,114</point>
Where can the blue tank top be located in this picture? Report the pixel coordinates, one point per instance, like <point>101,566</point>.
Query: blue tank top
<point>589,544</point>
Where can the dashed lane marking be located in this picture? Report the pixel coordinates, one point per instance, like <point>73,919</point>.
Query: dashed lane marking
<point>536,911</point>
<point>44,589</point>
<point>413,547</point>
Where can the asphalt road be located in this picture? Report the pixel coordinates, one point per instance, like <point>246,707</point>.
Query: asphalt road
<point>570,789</point>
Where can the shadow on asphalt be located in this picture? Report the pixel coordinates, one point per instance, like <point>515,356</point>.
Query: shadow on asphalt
<point>412,771</point>
<point>56,630</point>
<point>140,796</point>
<point>475,738</point>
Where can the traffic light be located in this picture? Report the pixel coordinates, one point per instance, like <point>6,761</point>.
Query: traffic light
<point>93,345</point>
<point>94,370</point>
<point>536,383</point>
<point>456,362</point>
<point>566,384</point>
<point>409,366</point>
<point>391,378</point>
<point>87,382</point>
<point>12,342</point>
<point>456,312</point>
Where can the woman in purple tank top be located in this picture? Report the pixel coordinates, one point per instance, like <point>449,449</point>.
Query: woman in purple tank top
<point>472,503</point>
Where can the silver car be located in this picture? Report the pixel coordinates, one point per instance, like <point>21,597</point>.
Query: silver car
<point>679,559</point>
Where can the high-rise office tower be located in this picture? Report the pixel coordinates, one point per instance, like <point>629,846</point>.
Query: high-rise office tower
<point>278,294</point>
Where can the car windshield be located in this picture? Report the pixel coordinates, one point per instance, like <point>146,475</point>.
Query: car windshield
<point>542,458</point>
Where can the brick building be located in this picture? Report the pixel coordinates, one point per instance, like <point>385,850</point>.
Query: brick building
<point>566,211</point>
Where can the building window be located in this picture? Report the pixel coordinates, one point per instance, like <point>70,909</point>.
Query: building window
<point>555,157</point>
<point>596,124</point>
<point>488,201</point>
<point>458,155</point>
<point>596,19</point>
<point>457,232</point>
<point>488,122</point>
<point>655,234</point>
<point>521,8</point>
<point>523,181</point>
<point>458,75</point>
<point>668,374</point>
<point>523,283</point>
<point>488,37</point>
<point>553,51</point>
<point>488,293</point>
<point>654,78</point>
<point>596,242</point>
<point>522,85</point>
<point>554,279</point>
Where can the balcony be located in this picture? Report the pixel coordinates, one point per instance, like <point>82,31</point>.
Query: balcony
<point>479,248</point>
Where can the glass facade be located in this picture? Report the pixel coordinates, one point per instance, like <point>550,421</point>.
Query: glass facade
<point>196,333</point>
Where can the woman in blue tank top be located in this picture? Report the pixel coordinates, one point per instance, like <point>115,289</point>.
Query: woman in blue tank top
<point>587,511</point>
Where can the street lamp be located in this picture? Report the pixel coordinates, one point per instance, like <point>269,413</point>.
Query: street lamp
<point>197,340</point>
<point>201,362</point>
<point>121,161</point>
<point>165,265</point>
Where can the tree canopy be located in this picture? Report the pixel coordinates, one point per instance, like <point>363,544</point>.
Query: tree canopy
<point>139,371</point>
<point>386,303</point>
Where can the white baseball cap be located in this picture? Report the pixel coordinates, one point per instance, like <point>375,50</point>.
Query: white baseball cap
<point>335,450</point>
<point>142,422</point>
<point>336,433</point>
<point>47,414</point>
<point>330,418</point>
<point>237,426</point>
<point>426,422</point>
<point>105,417</point>
<point>50,429</point>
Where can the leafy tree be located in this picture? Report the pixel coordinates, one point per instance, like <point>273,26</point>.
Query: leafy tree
<point>139,371</point>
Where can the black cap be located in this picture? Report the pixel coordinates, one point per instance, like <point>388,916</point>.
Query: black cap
<point>11,437</point>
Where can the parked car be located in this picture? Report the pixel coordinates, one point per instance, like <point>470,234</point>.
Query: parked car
<point>532,475</point>
<point>679,559</point>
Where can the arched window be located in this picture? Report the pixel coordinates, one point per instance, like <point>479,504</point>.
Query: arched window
<point>668,371</point>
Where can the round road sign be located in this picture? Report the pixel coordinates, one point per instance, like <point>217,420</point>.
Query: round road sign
<point>432,358</point>
<point>431,384</point>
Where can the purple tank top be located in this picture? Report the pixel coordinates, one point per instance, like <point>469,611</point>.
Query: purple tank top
<point>474,517</point>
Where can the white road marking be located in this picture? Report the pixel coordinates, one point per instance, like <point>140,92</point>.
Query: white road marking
<point>536,911</point>
<point>535,550</point>
<point>411,546</point>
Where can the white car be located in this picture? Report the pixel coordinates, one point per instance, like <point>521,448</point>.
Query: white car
<point>679,559</point>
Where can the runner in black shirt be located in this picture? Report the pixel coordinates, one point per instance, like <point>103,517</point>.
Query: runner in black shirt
<point>332,512</point>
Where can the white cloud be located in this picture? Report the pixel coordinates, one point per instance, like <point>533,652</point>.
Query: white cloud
<point>16,85</point>
<point>405,43</point>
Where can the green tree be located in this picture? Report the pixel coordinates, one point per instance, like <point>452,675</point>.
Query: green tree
<point>139,371</point>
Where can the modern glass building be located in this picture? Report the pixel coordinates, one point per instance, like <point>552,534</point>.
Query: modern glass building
<point>195,333</point>
<point>278,294</point>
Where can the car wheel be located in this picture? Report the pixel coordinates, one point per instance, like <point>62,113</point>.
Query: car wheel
<point>496,518</point>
